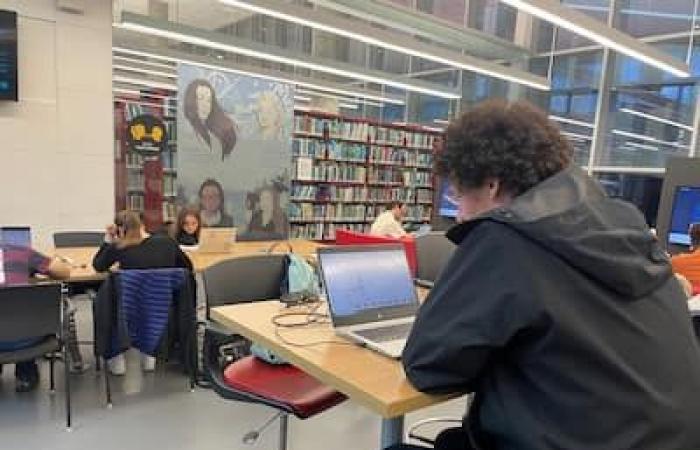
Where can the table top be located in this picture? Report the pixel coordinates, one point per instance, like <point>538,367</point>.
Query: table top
<point>81,257</point>
<point>366,377</point>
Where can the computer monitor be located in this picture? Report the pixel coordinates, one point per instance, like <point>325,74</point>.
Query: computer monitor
<point>21,236</point>
<point>448,204</point>
<point>684,211</point>
<point>367,282</point>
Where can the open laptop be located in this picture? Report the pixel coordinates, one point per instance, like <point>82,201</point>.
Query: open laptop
<point>216,240</point>
<point>370,294</point>
<point>21,236</point>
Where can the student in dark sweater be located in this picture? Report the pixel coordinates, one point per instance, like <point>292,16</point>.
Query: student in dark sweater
<point>128,245</point>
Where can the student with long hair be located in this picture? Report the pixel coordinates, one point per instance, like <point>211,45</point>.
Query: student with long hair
<point>203,112</point>
<point>128,244</point>
<point>187,227</point>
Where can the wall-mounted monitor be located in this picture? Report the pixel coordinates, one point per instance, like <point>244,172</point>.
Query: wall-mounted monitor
<point>8,55</point>
<point>448,204</point>
<point>684,211</point>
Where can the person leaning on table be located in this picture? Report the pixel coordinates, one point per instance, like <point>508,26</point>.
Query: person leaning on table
<point>558,310</point>
<point>388,223</point>
<point>17,265</point>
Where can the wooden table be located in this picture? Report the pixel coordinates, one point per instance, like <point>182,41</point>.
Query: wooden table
<point>366,377</point>
<point>81,257</point>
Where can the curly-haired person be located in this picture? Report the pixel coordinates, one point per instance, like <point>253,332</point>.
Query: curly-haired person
<point>558,310</point>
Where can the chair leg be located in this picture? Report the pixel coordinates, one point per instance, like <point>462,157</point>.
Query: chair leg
<point>52,382</point>
<point>108,389</point>
<point>284,422</point>
<point>66,374</point>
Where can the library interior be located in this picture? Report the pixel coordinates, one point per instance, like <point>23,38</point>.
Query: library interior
<point>350,224</point>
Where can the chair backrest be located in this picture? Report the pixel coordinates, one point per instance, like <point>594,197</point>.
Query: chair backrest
<point>77,239</point>
<point>244,279</point>
<point>347,237</point>
<point>433,250</point>
<point>30,310</point>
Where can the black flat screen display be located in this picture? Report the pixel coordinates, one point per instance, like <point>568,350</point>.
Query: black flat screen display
<point>8,55</point>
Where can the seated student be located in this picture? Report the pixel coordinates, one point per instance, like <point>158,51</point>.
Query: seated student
<point>558,309</point>
<point>17,265</point>
<point>187,227</point>
<point>388,223</point>
<point>688,264</point>
<point>128,244</point>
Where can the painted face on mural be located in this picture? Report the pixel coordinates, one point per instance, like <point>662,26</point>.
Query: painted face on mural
<point>204,102</point>
<point>211,200</point>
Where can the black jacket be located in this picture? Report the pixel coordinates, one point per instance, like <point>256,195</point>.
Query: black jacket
<point>561,313</point>
<point>153,252</point>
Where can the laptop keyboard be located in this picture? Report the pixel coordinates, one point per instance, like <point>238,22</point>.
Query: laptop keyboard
<point>386,334</point>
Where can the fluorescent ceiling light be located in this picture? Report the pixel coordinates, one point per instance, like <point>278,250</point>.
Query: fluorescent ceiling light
<point>301,98</point>
<point>143,62</point>
<point>648,139</point>
<point>441,121</point>
<point>142,82</point>
<point>343,99</point>
<point>119,90</point>
<point>571,121</point>
<point>642,146</point>
<point>347,105</point>
<point>194,36</point>
<point>387,39</point>
<point>323,94</point>
<point>590,28</point>
<point>277,76</point>
<point>580,137</point>
<point>656,118</point>
<point>142,103</point>
<point>155,73</point>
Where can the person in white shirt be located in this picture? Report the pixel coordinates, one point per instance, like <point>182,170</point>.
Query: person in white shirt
<point>388,223</point>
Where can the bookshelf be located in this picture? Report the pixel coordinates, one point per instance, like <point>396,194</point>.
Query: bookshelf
<point>346,170</point>
<point>129,164</point>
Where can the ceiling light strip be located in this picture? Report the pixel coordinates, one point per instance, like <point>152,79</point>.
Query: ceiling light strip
<point>261,74</point>
<point>182,33</point>
<point>139,93</point>
<point>578,123</point>
<point>648,139</point>
<point>155,73</point>
<point>142,82</point>
<point>656,118</point>
<point>590,28</point>
<point>386,39</point>
<point>126,59</point>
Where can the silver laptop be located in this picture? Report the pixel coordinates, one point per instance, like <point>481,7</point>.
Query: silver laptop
<point>370,294</point>
<point>216,240</point>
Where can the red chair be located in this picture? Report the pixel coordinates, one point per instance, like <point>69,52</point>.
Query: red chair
<point>248,379</point>
<point>347,237</point>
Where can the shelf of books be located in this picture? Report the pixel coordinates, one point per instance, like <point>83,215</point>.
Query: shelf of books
<point>346,170</point>
<point>129,164</point>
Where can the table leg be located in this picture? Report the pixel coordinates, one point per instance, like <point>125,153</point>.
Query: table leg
<point>392,432</point>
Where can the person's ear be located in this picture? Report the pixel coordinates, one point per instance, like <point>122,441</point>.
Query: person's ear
<point>494,188</point>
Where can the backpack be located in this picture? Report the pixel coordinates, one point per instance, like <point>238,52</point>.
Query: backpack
<point>300,280</point>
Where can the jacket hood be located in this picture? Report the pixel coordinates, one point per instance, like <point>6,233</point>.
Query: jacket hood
<point>570,215</point>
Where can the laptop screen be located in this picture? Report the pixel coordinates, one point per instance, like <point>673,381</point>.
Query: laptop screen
<point>20,236</point>
<point>367,283</point>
